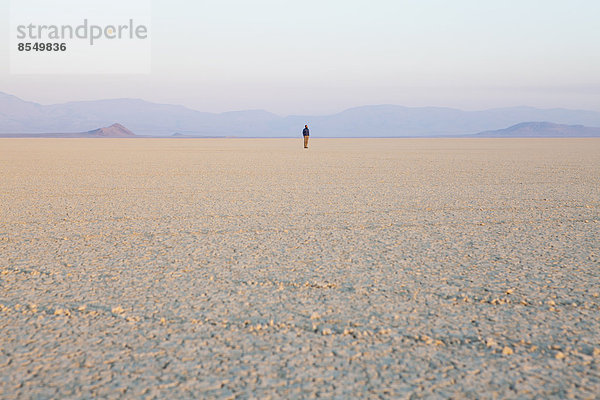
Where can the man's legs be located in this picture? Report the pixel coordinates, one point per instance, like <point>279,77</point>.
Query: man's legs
<point>306,142</point>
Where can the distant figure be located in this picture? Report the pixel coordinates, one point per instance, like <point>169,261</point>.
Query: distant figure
<point>305,133</point>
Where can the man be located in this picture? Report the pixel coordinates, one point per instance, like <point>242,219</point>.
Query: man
<point>305,133</point>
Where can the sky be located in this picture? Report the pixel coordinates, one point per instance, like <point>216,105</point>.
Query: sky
<point>323,56</point>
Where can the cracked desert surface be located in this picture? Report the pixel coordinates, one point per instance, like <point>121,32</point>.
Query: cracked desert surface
<point>253,268</point>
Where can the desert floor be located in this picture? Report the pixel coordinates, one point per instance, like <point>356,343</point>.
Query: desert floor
<point>255,268</point>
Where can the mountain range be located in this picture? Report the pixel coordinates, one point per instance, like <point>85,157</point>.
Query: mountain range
<point>18,116</point>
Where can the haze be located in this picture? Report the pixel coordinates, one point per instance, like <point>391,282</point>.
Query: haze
<point>316,57</point>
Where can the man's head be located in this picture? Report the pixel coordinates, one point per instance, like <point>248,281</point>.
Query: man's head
<point>306,126</point>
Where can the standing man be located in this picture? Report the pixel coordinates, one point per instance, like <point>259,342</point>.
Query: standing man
<point>305,133</point>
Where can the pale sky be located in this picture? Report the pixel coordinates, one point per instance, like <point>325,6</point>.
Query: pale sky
<point>320,56</point>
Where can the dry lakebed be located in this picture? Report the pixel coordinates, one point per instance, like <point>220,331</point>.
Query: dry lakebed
<point>253,268</point>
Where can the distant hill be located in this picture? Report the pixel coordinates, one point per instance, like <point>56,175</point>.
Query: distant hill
<point>113,131</point>
<point>151,119</point>
<point>542,129</point>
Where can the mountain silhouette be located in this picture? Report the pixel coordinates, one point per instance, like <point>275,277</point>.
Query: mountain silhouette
<point>151,119</point>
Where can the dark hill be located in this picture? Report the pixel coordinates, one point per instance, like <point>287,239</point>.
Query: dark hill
<point>542,129</point>
<point>115,130</point>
